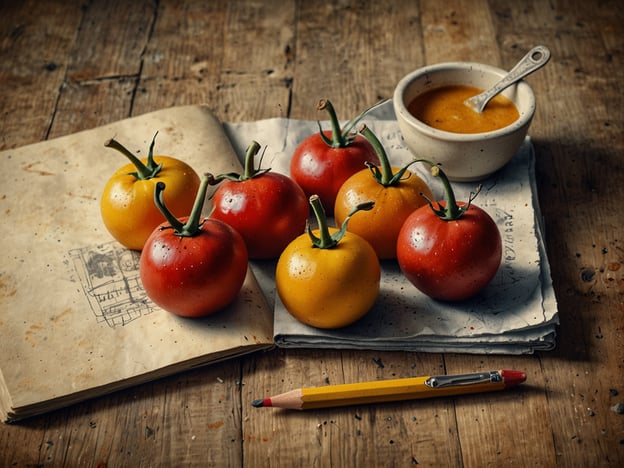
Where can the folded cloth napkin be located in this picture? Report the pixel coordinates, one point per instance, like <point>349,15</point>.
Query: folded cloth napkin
<point>515,314</point>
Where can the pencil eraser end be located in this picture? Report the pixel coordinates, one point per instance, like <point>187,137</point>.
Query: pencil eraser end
<point>512,377</point>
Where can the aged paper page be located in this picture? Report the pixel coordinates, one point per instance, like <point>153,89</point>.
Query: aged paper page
<point>75,321</point>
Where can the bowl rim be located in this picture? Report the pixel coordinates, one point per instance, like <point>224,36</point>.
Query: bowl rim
<point>400,106</point>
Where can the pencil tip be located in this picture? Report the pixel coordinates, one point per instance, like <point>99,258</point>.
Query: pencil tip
<point>266,402</point>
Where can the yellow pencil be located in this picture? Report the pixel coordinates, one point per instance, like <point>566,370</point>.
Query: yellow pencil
<point>393,390</point>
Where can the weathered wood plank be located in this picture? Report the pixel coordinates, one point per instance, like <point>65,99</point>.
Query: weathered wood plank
<point>111,40</point>
<point>105,65</point>
<point>190,419</point>
<point>579,151</point>
<point>36,40</point>
<point>399,433</point>
<point>86,105</point>
<point>69,66</point>
<point>234,57</point>
<point>353,54</point>
<point>460,30</point>
<point>256,74</point>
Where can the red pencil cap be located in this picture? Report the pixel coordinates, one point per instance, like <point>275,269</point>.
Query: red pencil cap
<point>512,377</point>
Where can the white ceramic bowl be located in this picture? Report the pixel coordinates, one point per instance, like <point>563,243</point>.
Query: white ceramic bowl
<point>463,157</point>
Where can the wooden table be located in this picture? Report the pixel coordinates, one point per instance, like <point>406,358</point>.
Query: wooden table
<point>67,65</point>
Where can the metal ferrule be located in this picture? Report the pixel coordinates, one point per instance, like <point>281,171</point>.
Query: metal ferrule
<point>439,381</point>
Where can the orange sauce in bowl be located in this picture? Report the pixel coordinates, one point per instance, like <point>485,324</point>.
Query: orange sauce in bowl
<point>443,108</point>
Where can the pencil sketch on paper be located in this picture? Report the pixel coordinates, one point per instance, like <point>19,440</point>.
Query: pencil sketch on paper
<point>109,275</point>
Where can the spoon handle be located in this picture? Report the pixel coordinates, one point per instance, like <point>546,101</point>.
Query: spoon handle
<point>535,59</point>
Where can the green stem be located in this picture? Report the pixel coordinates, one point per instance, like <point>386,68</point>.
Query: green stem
<point>325,241</point>
<point>341,138</point>
<point>328,240</point>
<point>385,177</point>
<point>451,211</point>
<point>143,171</point>
<point>249,171</point>
<point>192,227</point>
<point>338,139</point>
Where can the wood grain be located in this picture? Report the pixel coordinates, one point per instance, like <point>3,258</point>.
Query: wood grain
<point>35,51</point>
<point>350,49</point>
<point>66,66</point>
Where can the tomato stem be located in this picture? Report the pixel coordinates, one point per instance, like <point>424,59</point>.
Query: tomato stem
<point>192,227</point>
<point>143,171</point>
<point>385,176</point>
<point>329,240</point>
<point>451,210</point>
<point>338,139</point>
<point>341,138</point>
<point>325,241</point>
<point>249,171</point>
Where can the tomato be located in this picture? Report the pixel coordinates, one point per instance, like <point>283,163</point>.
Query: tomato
<point>127,202</point>
<point>450,252</point>
<point>192,267</point>
<point>328,278</point>
<point>323,161</point>
<point>397,193</point>
<point>268,209</point>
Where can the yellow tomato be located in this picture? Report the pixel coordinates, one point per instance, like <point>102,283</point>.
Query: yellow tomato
<point>328,287</point>
<point>396,192</point>
<point>393,204</point>
<point>127,204</point>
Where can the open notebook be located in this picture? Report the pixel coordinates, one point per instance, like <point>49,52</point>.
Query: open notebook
<point>75,322</point>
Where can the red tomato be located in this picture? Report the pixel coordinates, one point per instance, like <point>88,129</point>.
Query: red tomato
<point>268,209</point>
<point>449,259</point>
<point>323,161</point>
<point>192,268</point>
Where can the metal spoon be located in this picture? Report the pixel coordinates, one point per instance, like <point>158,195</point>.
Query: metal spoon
<point>535,59</point>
